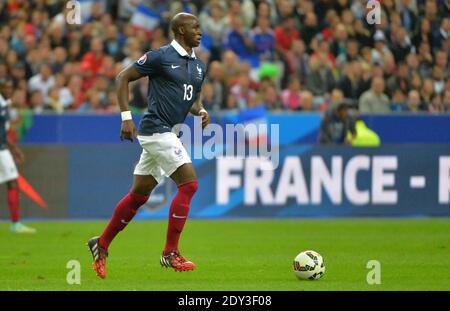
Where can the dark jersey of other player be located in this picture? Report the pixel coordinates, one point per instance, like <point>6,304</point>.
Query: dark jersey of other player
<point>4,116</point>
<point>175,78</point>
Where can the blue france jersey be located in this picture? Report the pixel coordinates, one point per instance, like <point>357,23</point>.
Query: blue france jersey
<point>4,116</point>
<point>174,81</point>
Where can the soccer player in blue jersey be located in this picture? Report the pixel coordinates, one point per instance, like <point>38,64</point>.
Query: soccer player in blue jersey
<point>8,153</point>
<point>175,79</point>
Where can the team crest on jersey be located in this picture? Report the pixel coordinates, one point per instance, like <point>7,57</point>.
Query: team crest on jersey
<point>141,61</point>
<point>199,71</point>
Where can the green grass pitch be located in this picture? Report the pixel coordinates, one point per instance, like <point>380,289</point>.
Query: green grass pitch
<point>234,255</point>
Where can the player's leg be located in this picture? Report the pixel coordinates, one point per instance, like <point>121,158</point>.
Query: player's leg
<point>122,215</point>
<point>186,180</point>
<point>127,207</point>
<point>146,176</point>
<point>9,174</point>
<point>13,200</point>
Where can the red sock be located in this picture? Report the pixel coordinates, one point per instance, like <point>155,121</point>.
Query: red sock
<point>123,213</point>
<point>13,203</point>
<point>179,210</point>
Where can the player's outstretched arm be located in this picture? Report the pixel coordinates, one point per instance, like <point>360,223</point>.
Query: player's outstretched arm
<point>198,110</point>
<point>129,74</point>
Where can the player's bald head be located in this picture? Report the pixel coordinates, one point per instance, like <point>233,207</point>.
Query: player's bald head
<point>180,20</point>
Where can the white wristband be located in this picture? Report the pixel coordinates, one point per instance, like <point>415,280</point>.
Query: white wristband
<point>202,110</point>
<point>126,115</point>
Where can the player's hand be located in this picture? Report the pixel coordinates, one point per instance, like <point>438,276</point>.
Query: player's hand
<point>18,155</point>
<point>128,130</point>
<point>205,119</point>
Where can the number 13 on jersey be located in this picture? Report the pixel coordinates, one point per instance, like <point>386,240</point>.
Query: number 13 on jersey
<point>188,91</point>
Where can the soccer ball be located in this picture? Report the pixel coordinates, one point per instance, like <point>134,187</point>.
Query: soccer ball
<point>309,265</point>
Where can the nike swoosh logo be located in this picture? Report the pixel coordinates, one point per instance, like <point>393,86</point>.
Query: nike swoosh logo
<point>173,67</point>
<point>175,216</point>
<point>124,222</point>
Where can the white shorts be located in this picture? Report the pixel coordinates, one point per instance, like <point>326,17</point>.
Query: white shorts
<point>8,169</point>
<point>162,154</point>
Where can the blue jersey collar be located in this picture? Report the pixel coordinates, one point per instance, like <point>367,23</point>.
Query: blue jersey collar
<point>180,49</point>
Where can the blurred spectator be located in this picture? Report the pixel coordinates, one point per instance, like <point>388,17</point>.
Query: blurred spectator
<point>446,101</point>
<point>64,95</point>
<point>43,81</point>
<point>214,26</point>
<point>401,45</point>
<point>326,44</point>
<point>263,40</point>
<point>361,34</point>
<point>112,45</point>
<point>298,61</point>
<point>335,124</point>
<point>425,60</point>
<point>398,102</point>
<point>231,66</point>
<point>285,34</point>
<point>266,9</point>
<point>242,91</point>
<point>399,80</point>
<point>407,15</point>
<point>53,101</point>
<point>238,39</point>
<point>337,97</point>
<point>290,97</point>
<point>59,59</point>
<point>438,79</point>
<point>216,78</point>
<point>427,91</point>
<point>139,94</point>
<point>423,33</point>
<point>443,34</point>
<point>309,28</point>
<point>321,48</point>
<point>74,53</point>
<point>207,97</point>
<point>414,101</point>
<point>36,101</point>
<point>75,87</point>
<point>18,72</point>
<point>320,80</point>
<point>380,47</point>
<point>92,102</point>
<point>441,60</point>
<point>231,102</point>
<point>92,61</point>
<point>374,100</point>
<point>352,83</point>
<point>244,10</point>
<point>340,42</point>
<point>270,98</point>
<point>436,105</point>
<point>285,9</point>
<point>351,54</point>
<point>307,101</point>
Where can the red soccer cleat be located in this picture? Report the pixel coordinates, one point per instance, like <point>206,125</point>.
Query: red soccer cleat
<point>99,254</point>
<point>176,261</point>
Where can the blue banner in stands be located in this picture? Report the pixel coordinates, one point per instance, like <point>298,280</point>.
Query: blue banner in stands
<point>294,127</point>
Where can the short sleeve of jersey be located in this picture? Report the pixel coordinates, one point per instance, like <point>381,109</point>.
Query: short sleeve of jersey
<point>149,64</point>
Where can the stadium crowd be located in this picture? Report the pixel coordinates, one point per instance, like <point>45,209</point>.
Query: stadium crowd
<point>300,55</point>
